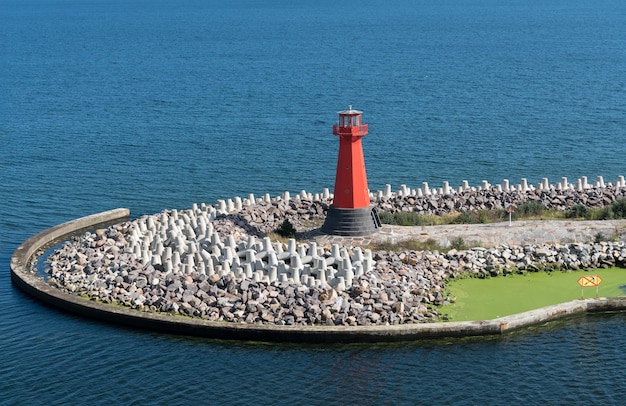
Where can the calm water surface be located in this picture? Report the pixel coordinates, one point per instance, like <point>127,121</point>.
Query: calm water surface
<point>156,104</point>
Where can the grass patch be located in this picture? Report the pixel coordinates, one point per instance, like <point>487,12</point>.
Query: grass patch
<point>277,237</point>
<point>408,245</point>
<point>578,211</point>
<point>427,245</point>
<point>531,208</point>
<point>415,219</point>
<point>485,299</point>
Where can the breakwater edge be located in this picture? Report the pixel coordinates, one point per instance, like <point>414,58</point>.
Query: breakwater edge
<point>212,262</point>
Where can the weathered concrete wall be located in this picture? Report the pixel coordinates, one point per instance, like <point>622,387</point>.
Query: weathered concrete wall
<point>30,283</point>
<point>24,255</point>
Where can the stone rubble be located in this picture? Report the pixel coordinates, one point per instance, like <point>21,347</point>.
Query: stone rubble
<point>216,262</point>
<point>306,211</point>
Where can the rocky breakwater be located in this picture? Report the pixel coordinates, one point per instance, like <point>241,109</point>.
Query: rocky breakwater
<point>504,259</point>
<point>216,262</point>
<point>199,263</point>
<point>306,211</point>
<point>105,266</point>
<point>445,200</point>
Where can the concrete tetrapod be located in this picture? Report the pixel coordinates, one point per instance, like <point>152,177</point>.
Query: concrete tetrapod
<point>24,278</point>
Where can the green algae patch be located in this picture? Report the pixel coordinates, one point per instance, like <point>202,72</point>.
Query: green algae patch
<point>485,299</point>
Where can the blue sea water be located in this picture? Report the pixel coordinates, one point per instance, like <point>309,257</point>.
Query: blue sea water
<point>160,104</point>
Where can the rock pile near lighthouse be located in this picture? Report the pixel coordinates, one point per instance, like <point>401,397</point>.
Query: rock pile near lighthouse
<point>400,288</point>
<point>306,210</point>
<point>216,263</point>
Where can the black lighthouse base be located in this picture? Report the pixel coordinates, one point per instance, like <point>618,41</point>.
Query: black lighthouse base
<point>351,222</point>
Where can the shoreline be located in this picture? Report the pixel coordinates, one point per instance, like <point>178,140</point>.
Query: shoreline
<point>34,285</point>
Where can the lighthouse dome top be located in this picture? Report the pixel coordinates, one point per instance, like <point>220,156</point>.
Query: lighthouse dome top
<point>350,112</point>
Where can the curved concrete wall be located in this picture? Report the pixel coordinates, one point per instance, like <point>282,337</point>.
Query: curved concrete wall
<point>26,280</point>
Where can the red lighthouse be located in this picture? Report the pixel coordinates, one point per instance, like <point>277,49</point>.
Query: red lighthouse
<point>350,213</point>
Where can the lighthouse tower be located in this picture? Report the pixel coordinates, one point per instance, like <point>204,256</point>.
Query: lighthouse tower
<point>350,213</point>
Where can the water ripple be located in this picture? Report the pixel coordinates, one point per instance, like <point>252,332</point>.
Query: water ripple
<point>115,104</point>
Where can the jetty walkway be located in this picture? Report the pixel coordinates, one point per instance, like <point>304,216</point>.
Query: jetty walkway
<point>492,234</point>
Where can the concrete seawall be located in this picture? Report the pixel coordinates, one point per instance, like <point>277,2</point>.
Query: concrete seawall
<point>22,276</point>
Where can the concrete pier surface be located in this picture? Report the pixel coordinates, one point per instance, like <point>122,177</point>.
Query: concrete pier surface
<point>25,278</point>
<point>489,235</point>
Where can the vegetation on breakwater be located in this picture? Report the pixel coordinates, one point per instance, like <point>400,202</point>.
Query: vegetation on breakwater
<point>206,262</point>
<point>457,244</point>
<point>490,298</point>
<point>430,244</point>
<point>530,210</point>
